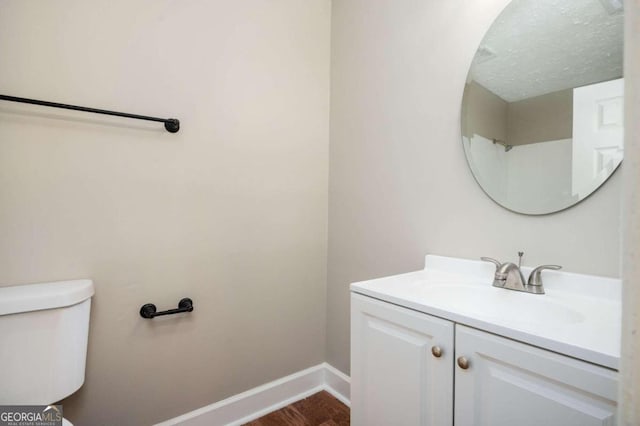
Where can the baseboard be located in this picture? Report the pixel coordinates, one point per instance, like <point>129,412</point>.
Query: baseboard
<point>337,383</point>
<point>257,402</point>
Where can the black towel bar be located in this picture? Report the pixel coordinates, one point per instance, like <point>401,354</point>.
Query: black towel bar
<point>149,310</point>
<point>172,125</point>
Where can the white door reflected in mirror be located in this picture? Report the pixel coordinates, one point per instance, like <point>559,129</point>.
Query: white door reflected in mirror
<point>598,134</point>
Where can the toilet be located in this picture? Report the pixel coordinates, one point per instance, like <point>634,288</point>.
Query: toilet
<point>44,330</point>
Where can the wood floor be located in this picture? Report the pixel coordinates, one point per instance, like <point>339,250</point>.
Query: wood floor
<point>320,409</point>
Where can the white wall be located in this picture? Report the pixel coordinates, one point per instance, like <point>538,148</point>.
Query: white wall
<point>539,176</point>
<point>630,362</point>
<point>399,183</point>
<point>533,178</point>
<point>231,211</point>
<point>489,163</point>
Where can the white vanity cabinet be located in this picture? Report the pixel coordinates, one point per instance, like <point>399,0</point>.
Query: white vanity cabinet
<point>398,379</point>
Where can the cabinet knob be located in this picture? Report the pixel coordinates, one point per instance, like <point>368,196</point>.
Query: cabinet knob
<point>436,351</point>
<point>463,362</point>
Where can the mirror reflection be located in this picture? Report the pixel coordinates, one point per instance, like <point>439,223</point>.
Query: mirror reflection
<point>542,113</point>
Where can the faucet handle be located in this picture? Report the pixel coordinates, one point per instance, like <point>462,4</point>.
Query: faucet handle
<point>495,262</point>
<point>535,278</point>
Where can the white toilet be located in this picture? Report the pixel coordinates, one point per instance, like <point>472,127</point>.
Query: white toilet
<point>43,333</point>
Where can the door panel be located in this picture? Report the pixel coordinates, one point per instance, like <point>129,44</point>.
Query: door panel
<point>395,378</point>
<point>510,383</point>
<point>598,134</point>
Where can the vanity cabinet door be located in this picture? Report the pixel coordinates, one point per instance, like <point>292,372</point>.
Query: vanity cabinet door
<point>401,366</point>
<point>508,383</point>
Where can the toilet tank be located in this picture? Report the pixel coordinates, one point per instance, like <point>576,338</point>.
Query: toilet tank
<point>44,330</point>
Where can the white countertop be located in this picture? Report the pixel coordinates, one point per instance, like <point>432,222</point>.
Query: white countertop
<point>579,316</point>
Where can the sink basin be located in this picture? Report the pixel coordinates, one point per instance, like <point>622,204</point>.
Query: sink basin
<point>492,303</point>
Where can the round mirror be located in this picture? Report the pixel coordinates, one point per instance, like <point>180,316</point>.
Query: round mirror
<point>542,112</point>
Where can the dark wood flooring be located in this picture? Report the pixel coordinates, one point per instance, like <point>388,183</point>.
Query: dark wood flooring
<point>320,409</point>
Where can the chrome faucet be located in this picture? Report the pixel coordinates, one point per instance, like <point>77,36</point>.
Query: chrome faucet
<point>508,275</point>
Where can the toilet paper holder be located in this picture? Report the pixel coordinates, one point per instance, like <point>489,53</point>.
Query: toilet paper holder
<point>149,310</point>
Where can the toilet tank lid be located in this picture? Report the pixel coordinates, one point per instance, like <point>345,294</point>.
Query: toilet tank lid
<point>36,297</point>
